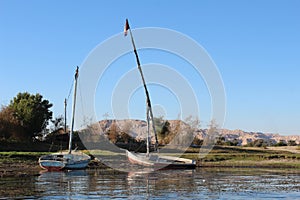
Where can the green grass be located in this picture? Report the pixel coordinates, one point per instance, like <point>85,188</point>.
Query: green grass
<point>102,153</point>
<point>14,156</point>
<point>219,156</point>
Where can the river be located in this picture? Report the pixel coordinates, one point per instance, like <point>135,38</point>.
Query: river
<point>202,183</point>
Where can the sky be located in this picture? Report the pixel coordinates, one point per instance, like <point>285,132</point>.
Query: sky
<point>254,44</point>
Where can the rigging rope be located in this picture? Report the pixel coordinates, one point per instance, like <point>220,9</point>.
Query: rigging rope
<point>70,91</point>
<point>82,107</point>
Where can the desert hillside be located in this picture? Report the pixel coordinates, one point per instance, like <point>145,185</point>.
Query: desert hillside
<point>138,130</point>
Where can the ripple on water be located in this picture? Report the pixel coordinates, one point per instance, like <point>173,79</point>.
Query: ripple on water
<point>188,184</point>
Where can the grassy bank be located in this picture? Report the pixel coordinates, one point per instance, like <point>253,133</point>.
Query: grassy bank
<point>19,163</point>
<point>222,156</point>
<point>14,163</point>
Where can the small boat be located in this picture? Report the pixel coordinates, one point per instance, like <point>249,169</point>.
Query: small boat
<point>52,162</point>
<point>69,159</point>
<point>155,160</point>
<point>64,160</point>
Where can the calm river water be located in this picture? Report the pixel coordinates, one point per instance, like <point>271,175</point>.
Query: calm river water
<point>190,184</point>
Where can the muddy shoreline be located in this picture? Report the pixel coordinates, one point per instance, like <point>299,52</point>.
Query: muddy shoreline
<point>22,166</point>
<point>25,163</point>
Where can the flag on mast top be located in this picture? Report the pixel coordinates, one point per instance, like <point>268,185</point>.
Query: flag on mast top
<point>126,27</point>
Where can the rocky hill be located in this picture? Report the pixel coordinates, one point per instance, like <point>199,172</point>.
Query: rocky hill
<point>138,130</point>
<point>246,137</point>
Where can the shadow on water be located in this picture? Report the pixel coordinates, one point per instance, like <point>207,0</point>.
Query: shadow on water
<point>213,183</point>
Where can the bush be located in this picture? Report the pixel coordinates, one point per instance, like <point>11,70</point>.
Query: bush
<point>281,143</point>
<point>257,143</point>
<point>9,126</point>
<point>292,143</point>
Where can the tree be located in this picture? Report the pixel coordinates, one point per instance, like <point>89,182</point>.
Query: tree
<point>158,122</point>
<point>9,126</point>
<point>197,141</point>
<point>55,131</point>
<point>281,143</point>
<point>31,112</point>
<point>166,128</point>
<point>292,143</point>
<point>234,142</point>
<point>125,137</point>
<point>162,129</point>
<point>57,123</point>
<point>258,143</point>
<point>125,133</point>
<point>113,133</point>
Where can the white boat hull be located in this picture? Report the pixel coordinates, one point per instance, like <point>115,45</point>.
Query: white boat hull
<point>160,162</point>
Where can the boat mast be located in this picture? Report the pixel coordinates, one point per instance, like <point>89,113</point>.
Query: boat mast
<point>73,112</point>
<point>65,115</point>
<point>148,102</point>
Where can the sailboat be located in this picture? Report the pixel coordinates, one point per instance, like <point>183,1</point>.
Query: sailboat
<point>70,159</point>
<point>153,160</point>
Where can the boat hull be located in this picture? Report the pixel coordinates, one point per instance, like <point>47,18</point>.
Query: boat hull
<point>51,165</point>
<point>160,162</point>
<point>77,165</point>
<point>61,161</point>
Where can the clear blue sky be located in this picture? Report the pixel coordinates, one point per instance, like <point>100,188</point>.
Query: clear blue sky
<point>255,45</point>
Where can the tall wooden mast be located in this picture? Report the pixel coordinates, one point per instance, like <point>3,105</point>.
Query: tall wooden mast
<point>149,112</point>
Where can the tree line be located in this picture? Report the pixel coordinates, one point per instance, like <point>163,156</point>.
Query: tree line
<point>25,118</point>
<point>28,115</point>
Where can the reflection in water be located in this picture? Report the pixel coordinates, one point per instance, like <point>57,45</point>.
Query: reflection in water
<point>160,183</point>
<point>69,183</point>
<point>196,184</point>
